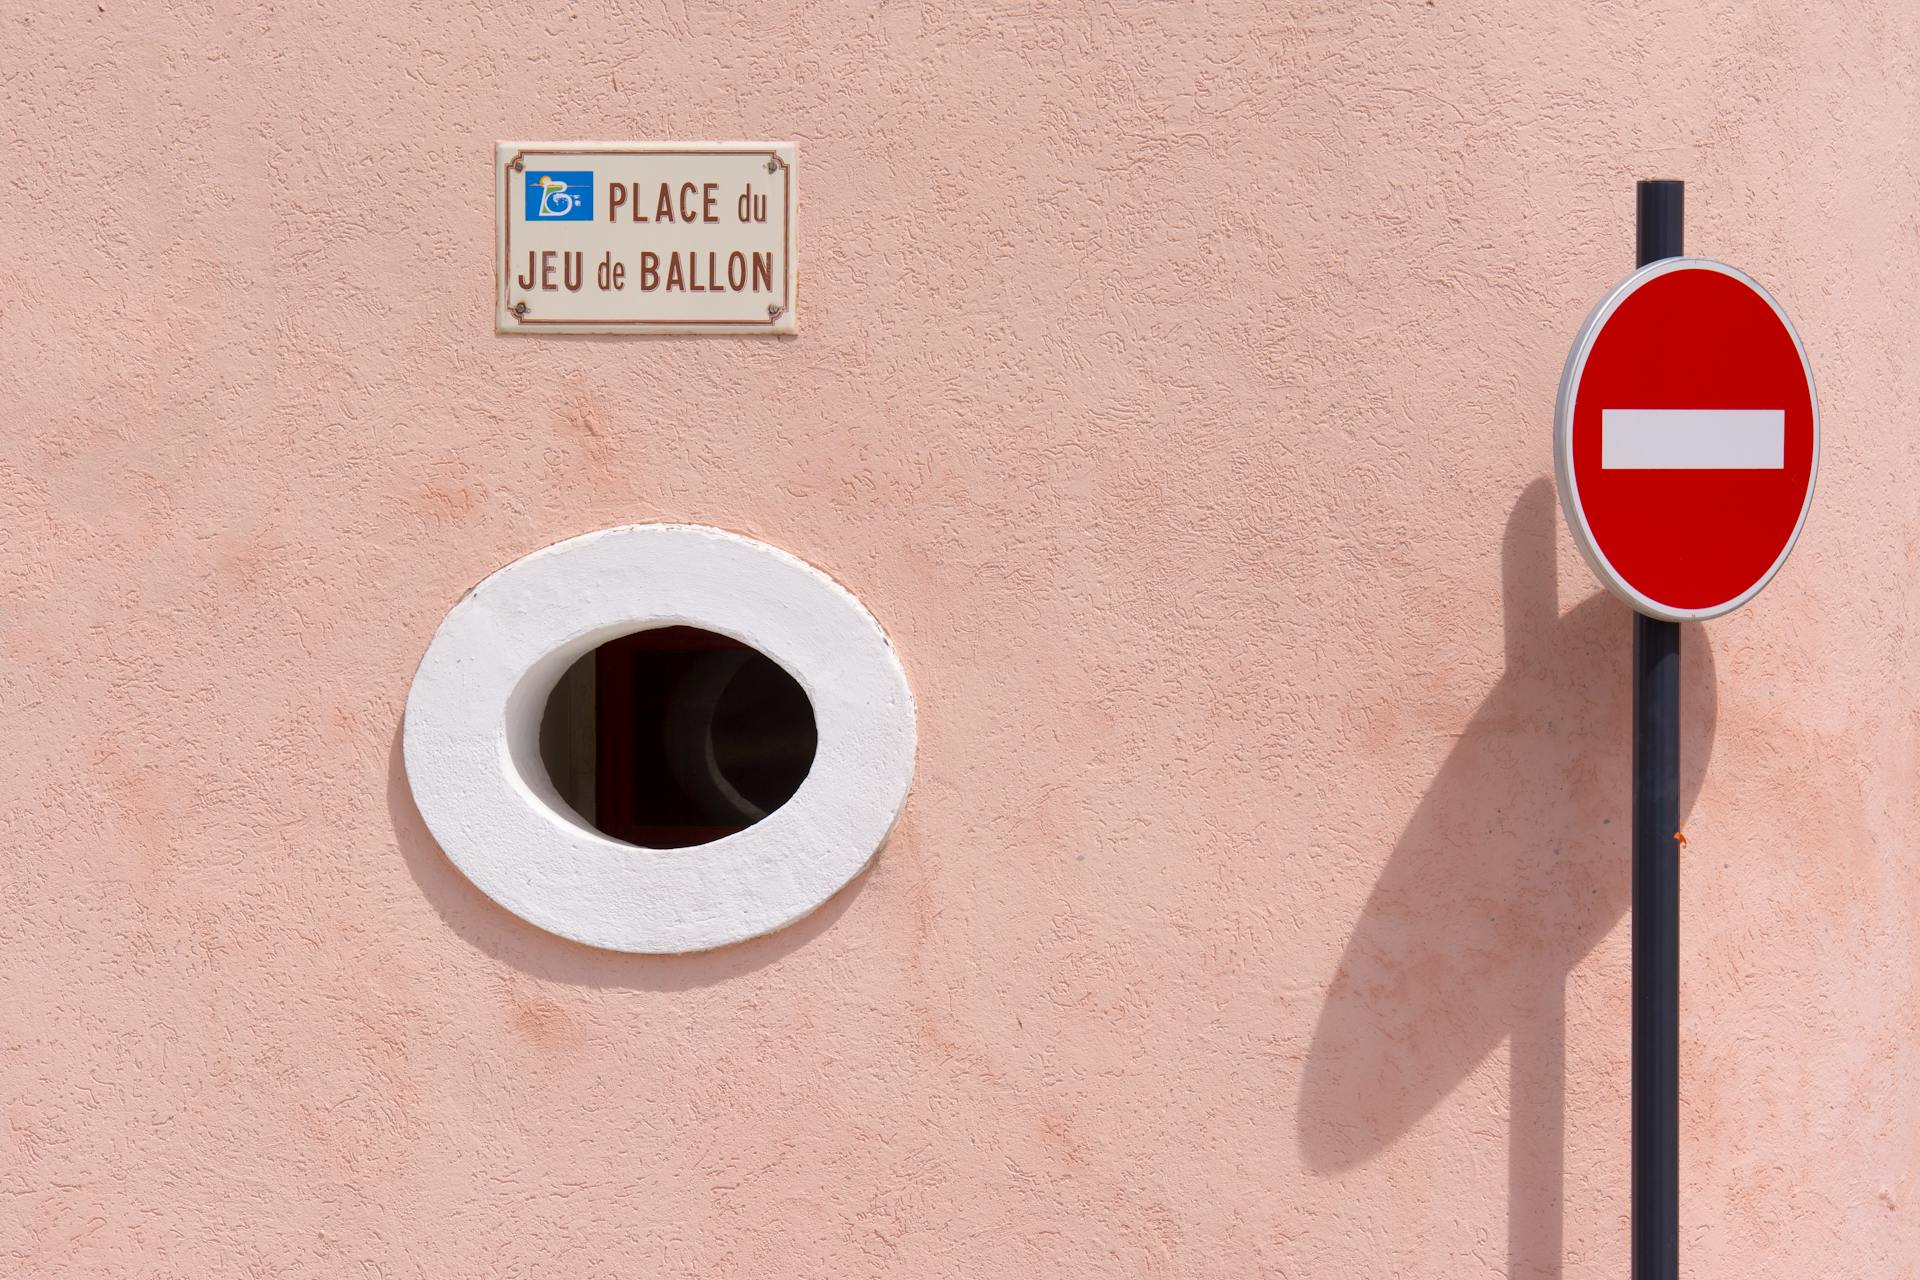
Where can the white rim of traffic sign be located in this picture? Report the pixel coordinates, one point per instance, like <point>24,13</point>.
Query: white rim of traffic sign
<point>1570,504</point>
<point>472,755</point>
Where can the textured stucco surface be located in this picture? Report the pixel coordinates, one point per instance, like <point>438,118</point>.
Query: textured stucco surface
<point>1174,384</point>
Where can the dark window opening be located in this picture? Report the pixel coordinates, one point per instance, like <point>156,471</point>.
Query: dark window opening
<point>676,736</point>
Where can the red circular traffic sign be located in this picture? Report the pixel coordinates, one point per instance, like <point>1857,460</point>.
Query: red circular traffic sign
<point>1686,439</point>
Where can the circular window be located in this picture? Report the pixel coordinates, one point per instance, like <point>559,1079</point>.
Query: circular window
<point>675,736</point>
<point>660,737</point>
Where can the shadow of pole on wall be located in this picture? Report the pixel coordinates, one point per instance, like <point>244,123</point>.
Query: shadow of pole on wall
<point>1515,863</point>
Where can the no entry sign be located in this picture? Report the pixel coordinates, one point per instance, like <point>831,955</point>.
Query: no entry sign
<point>1686,439</point>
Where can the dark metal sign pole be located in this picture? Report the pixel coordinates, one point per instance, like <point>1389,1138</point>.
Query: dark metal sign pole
<point>1656,873</point>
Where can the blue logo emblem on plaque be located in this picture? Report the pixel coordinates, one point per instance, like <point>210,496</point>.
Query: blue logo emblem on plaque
<point>555,196</point>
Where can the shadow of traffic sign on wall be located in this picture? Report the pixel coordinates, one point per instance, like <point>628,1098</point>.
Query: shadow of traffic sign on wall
<point>1510,870</point>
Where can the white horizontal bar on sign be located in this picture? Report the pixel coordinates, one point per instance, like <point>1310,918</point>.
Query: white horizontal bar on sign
<point>1693,439</point>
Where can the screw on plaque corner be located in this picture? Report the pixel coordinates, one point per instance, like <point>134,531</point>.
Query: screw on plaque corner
<point>520,309</point>
<point>774,311</point>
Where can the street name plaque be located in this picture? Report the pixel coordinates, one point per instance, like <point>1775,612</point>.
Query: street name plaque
<point>645,237</point>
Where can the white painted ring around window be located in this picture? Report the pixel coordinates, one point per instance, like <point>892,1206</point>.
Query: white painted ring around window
<point>471,743</point>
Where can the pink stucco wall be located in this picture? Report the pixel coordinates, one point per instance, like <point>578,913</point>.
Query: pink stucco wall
<point>1175,384</point>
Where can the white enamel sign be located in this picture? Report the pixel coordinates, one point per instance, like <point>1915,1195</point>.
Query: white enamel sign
<point>645,237</point>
